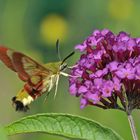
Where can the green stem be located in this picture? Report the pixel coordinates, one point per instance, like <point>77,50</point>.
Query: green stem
<point>132,126</point>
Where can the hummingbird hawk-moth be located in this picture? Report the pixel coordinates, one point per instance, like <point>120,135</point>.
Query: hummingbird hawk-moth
<point>38,78</point>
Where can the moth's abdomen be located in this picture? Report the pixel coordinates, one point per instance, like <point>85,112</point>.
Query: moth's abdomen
<point>22,100</point>
<point>26,96</point>
<point>31,92</point>
<point>19,105</point>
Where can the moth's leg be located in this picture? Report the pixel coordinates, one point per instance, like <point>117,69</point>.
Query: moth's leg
<point>48,93</point>
<point>51,83</point>
<point>71,67</point>
<point>68,75</point>
<point>56,86</point>
<point>65,74</point>
<point>50,87</point>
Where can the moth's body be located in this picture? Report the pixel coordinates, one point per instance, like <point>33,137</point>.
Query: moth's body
<point>38,78</point>
<point>30,93</point>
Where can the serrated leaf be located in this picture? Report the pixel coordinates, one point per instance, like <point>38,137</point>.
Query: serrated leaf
<point>65,125</point>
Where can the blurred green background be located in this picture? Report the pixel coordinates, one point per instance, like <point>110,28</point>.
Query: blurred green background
<point>32,27</point>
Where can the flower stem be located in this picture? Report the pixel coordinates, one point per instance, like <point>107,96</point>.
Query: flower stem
<point>132,126</point>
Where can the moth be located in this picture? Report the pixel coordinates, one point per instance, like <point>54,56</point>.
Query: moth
<point>38,78</point>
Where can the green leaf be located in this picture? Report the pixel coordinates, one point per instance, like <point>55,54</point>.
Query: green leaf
<point>65,125</point>
<point>2,134</point>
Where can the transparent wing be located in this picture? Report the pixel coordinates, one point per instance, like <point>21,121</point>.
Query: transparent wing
<point>26,68</point>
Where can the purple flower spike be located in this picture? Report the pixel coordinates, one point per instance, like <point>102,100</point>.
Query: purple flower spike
<point>108,71</point>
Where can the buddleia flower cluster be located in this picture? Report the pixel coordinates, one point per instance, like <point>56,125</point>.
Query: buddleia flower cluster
<point>107,75</point>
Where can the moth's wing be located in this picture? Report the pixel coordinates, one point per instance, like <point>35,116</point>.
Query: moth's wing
<point>27,69</point>
<point>5,57</point>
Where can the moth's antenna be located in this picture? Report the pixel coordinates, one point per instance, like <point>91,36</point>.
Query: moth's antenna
<point>58,50</point>
<point>72,53</point>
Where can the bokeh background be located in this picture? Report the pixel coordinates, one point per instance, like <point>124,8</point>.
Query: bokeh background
<point>33,26</point>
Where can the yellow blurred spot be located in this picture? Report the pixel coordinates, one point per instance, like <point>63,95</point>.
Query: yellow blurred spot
<point>53,27</point>
<point>120,9</point>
